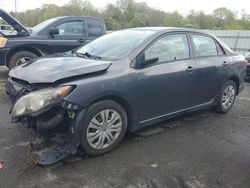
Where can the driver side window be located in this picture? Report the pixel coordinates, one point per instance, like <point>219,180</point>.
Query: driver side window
<point>172,47</point>
<point>72,28</point>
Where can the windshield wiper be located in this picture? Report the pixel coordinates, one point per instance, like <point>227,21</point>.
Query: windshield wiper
<point>88,55</point>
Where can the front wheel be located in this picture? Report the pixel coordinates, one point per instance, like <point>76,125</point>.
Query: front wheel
<point>20,57</point>
<point>227,97</point>
<point>104,127</point>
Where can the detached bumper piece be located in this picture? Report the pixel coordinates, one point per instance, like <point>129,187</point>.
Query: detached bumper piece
<point>58,130</point>
<point>51,153</point>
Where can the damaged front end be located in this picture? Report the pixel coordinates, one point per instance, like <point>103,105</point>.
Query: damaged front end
<point>56,121</point>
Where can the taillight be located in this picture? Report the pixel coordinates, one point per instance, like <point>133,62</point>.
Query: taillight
<point>246,62</point>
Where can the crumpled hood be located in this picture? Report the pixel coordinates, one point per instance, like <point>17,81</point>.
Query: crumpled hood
<point>52,69</point>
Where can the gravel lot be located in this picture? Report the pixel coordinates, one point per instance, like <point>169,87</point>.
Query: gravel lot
<point>202,149</point>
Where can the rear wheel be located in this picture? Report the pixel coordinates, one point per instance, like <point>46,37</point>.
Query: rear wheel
<point>103,128</point>
<point>227,97</point>
<point>20,57</point>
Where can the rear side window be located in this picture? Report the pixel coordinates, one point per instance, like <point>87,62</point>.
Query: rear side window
<point>171,47</point>
<point>204,46</point>
<point>94,28</point>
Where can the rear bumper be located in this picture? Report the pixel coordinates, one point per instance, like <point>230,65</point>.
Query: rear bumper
<point>248,72</point>
<point>3,55</point>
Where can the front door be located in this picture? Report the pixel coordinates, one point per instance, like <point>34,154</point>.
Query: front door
<point>168,85</point>
<point>72,34</point>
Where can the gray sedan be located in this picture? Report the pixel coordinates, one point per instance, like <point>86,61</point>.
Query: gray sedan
<point>123,81</point>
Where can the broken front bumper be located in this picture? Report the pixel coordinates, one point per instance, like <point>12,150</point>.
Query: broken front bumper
<point>59,126</point>
<point>60,135</point>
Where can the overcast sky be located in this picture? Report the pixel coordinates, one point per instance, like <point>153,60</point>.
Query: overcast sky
<point>167,5</point>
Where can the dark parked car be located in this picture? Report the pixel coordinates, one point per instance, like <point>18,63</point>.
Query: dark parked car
<point>55,35</point>
<point>248,65</point>
<point>123,81</point>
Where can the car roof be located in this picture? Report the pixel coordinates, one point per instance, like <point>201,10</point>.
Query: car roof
<point>77,17</point>
<point>168,29</point>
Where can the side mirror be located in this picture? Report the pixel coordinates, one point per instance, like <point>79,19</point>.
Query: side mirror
<point>53,31</point>
<point>150,58</point>
<point>145,58</point>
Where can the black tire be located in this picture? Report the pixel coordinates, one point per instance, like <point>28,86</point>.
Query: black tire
<point>219,107</point>
<point>91,112</point>
<point>17,56</point>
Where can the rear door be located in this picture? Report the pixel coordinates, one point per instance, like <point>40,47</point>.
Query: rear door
<point>211,66</point>
<point>72,34</point>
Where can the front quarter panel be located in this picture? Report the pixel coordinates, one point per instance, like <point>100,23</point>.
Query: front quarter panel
<point>119,81</point>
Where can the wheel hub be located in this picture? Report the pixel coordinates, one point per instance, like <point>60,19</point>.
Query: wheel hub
<point>105,127</point>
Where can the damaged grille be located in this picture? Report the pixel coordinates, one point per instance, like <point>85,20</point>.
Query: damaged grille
<point>12,98</point>
<point>15,90</point>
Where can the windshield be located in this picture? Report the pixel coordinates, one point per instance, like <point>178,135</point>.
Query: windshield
<point>42,25</point>
<point>116,45</point>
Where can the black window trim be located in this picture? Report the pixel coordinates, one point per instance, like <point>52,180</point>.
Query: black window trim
<point>215,41</point>
<point>218,45</point>
<point>170,61</point>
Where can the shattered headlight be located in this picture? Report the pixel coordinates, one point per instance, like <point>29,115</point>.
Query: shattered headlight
<point>37,100</point>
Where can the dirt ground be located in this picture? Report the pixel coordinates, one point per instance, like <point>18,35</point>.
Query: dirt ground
<point>198,150</point>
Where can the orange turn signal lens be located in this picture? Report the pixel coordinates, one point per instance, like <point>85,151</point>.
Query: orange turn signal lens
<point>2,42</point>
<point>64,91</point>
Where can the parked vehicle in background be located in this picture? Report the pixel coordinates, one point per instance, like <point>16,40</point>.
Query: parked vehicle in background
<point>55,35</point>
<point>248,65</point>
<point>123,81</point>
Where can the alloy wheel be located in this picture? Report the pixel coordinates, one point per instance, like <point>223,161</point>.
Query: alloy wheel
<point>22,60</point>
<point>228,97</point>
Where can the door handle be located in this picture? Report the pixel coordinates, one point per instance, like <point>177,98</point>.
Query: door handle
<point>81,40</point>
<point>190,69</point>
<point>225,63</point>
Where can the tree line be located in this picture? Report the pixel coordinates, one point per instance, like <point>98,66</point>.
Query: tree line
<point>128,13</point>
